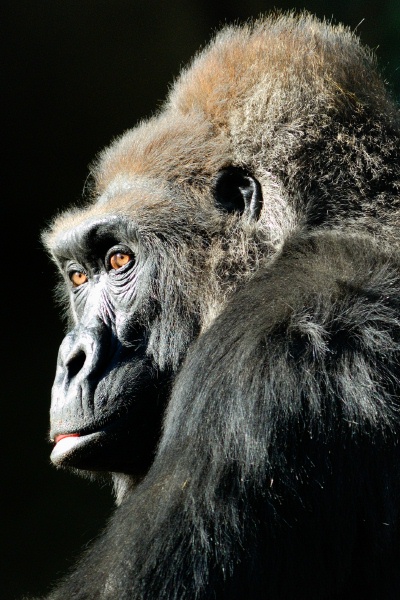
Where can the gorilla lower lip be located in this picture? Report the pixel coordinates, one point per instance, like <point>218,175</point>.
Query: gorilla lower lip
<point>67,445</point>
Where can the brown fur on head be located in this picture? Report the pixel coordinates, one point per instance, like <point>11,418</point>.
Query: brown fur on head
<point>263,95</point>
<point>297,103</point>
<point>260,95</point>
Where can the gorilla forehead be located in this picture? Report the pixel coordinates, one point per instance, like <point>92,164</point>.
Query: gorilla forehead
<point>172,147</point>
<point>136,191</point>
<point>129,204</point>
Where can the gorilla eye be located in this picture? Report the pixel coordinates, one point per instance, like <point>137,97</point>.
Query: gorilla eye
<point>118,257</point>
<point>118,260</point>
<point>78,278</point>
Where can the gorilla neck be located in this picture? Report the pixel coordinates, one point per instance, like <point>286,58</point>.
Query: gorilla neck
<point>122,485</point>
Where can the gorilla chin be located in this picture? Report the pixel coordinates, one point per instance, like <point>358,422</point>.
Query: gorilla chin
<point>98,451</point>
<point>102,450</point>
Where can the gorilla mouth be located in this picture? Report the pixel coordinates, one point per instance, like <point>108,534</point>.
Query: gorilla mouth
<point>58,438</point>
<point>72,449</point>
<point>115,446</point>
<point>67,447</point>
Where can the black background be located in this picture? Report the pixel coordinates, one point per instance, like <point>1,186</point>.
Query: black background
<point>78,73</point>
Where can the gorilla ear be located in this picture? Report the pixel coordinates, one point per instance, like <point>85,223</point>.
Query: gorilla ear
<point>238,191</point>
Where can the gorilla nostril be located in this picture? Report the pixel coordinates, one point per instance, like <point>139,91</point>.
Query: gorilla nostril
<point>75,363</point>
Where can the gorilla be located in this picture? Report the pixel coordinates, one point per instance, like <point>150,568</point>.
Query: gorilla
<point>232,361</point>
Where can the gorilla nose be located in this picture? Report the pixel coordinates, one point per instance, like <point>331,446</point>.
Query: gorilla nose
<point>76,362</point>
<point>83,351</point>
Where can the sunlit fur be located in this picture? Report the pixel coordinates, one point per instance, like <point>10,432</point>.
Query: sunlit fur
<point>277,474</point>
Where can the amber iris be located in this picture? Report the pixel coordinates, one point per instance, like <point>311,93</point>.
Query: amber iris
<point>119,259</point>
<point>78,278</point>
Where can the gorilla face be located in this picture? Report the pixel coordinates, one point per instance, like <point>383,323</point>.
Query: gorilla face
<point>135,295</point>
<point>108,394</point>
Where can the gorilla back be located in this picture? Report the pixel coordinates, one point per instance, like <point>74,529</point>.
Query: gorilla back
<point>233,355</point>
